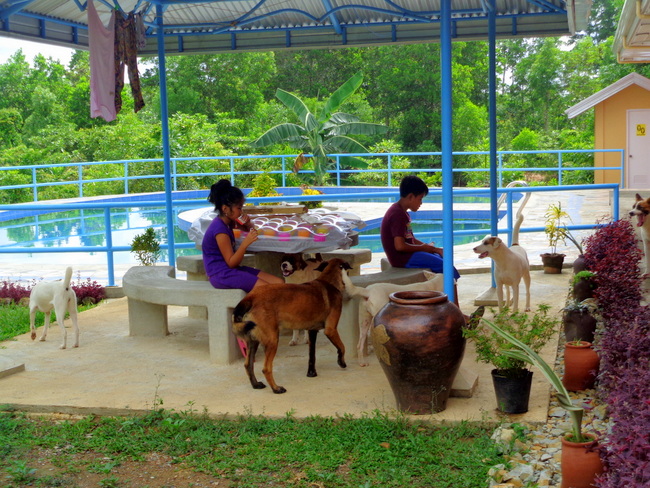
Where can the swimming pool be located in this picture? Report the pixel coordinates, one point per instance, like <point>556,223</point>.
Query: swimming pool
<point>57,231</point>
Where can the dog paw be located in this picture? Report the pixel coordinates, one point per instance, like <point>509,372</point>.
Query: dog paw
<point>293,343</point>
<point>279,389</point>
<point>42,339</point>
<point>312,373</point>
<point>62,346</point>
<point>342,363</point>
<point>363,364</point>
<point>33,335</point>
<point>259,385</point>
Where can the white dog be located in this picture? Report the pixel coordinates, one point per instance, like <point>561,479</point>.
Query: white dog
<point>377,295</point>
<point>296,269</point>
<point>58,296</point>
<point>511,265</point>
<point>641,210</point>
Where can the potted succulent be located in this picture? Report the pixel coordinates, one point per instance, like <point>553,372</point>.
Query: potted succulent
<point>556,231</point>
<point>511,377</point>
<point>580,459</point>
<point>578,320</point>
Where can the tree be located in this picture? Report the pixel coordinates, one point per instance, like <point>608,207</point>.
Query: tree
<point>323,134</point>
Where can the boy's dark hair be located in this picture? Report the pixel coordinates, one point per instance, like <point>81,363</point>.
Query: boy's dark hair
<point>413,184</point>
<point>224,193</point>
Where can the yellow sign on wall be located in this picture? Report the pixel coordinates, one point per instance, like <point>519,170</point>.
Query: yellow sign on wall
<point>640,129</point>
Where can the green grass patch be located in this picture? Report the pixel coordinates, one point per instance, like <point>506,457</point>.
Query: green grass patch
<point>14,319</point>
<point>374,451</point>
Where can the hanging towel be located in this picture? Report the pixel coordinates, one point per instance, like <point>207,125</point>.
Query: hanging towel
<point>101,40</point>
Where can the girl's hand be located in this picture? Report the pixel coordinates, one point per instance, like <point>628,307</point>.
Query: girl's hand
<point>250,238</point>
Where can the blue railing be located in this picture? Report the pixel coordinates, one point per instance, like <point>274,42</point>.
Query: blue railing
<point>110,249</point>
<point>41,175</point>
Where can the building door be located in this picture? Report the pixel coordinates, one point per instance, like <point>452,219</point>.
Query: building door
<point>638,149</point>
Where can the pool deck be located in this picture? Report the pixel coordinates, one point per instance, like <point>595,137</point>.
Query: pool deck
<point>112,373</point>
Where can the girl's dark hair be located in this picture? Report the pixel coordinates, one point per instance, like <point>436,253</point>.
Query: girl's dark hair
<point>224,193</point>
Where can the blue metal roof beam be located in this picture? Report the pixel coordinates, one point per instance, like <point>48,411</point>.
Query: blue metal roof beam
<point>333,19</point>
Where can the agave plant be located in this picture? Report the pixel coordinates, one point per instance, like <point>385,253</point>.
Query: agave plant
<point>525,353</point>
<point>322,134</point>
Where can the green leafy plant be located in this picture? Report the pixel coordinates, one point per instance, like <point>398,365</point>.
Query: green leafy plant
<point>322,134</point>
<point>555,228</point>
<point>532,329</point>
<point>583,275</point>
<point>146,247</point>
<point>518,351</point>
<point>264,186</point>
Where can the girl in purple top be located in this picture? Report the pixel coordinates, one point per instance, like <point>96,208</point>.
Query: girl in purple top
<point>221,261</point>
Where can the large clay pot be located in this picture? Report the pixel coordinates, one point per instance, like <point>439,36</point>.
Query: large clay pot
<point>580,463</point>
<point>512,390</point>
<point>579,325</point>
<point>552,263</point>
<point>418,339</point>
<point>580,366</point>
<point>579,264</point>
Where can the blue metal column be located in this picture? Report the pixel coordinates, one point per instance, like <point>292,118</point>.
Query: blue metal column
<point>164,120</point>
<point>492,115</point>
<point>447,149</point>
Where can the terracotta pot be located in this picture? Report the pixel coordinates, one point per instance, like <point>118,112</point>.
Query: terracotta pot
<point>512,390</point>
<point>579,325</point>
<point>552,263</point>
<point>580,366</point>
<point>419,342</point>
<point>580,463</point>
<point>579,264</point>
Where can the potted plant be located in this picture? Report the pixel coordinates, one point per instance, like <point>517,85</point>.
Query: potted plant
<point>580,459</point>
<point>556,231</point>
<point>578,320</point>
<point>579,262</point>
<point>583,285</point>
<point>511,376</point>
<point>146,247</point>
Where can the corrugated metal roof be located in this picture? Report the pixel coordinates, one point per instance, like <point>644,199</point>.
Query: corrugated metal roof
<point>220,25</point>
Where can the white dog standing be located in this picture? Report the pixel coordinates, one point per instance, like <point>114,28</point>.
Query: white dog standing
<point>58,296</point>
<point>510,266</point>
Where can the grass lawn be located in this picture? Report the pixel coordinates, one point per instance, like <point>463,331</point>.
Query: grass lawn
<point>375,451</point>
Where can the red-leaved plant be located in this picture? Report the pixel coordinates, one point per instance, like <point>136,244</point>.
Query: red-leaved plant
<point>624,350</point>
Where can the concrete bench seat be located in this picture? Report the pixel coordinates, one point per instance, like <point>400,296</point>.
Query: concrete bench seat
<point>150,289</point>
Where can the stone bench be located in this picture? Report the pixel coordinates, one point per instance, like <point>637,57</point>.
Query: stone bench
<point>150,289</point>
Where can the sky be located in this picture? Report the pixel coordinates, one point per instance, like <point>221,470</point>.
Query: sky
<point>8,46</point>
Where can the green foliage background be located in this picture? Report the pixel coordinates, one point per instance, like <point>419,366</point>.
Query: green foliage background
<point>219,103</point>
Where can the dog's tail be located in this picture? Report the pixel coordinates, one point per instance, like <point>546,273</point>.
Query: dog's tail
<point>68,277</point>
<point>240,326</point>
<point>515,230</point>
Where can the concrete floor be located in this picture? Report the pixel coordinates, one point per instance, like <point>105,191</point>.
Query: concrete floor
<point>111,373</point>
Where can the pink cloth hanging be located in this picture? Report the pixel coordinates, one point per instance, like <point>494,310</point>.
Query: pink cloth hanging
<point>101,40</point>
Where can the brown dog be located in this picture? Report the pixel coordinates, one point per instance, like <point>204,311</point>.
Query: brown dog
<point>313,306</point>
<point>296,269</point>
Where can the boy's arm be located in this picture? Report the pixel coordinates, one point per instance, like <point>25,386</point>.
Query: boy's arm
<point>402,246</point>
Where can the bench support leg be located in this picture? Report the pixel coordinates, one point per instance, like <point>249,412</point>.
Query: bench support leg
<point>223,343</point>
<point>147,319</point>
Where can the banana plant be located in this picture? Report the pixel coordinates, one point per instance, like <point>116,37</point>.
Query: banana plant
<point>322,134</point>
<point>525,353</point>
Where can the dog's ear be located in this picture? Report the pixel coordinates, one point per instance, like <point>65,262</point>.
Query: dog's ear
<point>318,257</point>
<point>345,265</point>
<point>322,266</point>
<point>638,197</point>
<point>496,241</point>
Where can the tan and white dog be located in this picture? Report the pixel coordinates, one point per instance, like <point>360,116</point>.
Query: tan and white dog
<point>641,210</point>
<point>313,306</point>
<point>510,267</point>
<point>296,269</point>
<point>375,296</point>
<point>58,296</point>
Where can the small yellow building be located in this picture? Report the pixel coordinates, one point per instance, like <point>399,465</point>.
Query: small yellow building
<point>621,121</point>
